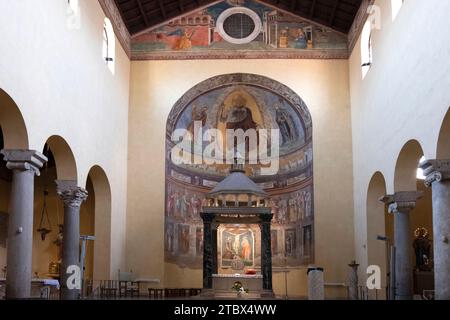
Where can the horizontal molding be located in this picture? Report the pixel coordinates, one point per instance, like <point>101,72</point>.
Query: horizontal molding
<point>230,54</point>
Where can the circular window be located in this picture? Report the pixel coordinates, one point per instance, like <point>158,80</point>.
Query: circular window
<point>239,25</point>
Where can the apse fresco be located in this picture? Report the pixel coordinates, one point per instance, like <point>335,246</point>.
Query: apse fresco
<point>199,32</point>
<point>242,106</point>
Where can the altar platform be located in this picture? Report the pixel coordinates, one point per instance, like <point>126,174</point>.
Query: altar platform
<point>222,285</point>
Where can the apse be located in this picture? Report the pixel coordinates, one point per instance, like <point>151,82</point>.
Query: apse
<point>247,102</point>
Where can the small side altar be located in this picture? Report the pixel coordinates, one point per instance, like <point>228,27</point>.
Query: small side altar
<point>222,285</point>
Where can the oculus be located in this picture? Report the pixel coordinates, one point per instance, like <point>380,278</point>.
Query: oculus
<point>239,25</point>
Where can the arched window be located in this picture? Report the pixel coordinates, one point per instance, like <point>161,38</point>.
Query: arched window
<point>109,44</point>
<point>74,6</point>
<point>396,6</point>
<point>366,48</point>
<point>420,175</point>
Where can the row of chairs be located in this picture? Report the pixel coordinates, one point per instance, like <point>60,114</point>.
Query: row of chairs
<point>173,293</point>
<point>116,288</point>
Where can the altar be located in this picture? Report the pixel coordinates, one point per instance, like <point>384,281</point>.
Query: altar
<point>234,201</point>
<point>222,284</point>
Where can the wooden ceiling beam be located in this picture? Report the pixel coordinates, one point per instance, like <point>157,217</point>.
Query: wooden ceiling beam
<point>293,5</point>
<point>333,12</point>
<point>162,8</point>
<point>141,9</point>
<point>181,5</point>
<point>313,9</point>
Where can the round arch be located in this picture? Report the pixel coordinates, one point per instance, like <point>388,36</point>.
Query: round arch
<point>66,167</point>
<point>291,190</point>
<point>12,124</point>
<point>377,237</point>
<point>102,224</point>
<point>241,79</point>
<point>443,145</point>
<point>405,178</point>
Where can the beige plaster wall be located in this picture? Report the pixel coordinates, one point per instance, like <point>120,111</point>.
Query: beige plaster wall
<point>404,96</point>
<point>157,85</point>
<point>59,81</point>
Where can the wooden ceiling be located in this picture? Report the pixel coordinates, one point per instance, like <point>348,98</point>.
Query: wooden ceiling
<point>140,15</point>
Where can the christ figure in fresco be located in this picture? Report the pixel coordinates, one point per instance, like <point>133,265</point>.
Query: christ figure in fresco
<point>239,116</point>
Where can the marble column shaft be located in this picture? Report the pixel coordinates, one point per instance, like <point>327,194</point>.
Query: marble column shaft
<point>266,253</point>
<point>25,164</point>
<point>400,204</point>
<point>208,260</point>
<point>72,196</point>
<point>437,174</point>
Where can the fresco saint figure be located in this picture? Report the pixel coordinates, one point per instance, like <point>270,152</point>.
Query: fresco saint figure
<point>246,249</point>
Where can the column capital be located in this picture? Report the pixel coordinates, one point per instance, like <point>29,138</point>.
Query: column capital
<point>207,217</point>
<point>435,171</point>
<point>266,218</point>
<point>402,201</point>
<point>24,160</point>
<point>70,193</point>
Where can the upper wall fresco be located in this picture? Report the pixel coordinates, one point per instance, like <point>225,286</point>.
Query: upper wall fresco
<point>239,29</point>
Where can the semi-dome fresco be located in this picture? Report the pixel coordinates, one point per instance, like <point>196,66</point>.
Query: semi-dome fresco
<point>242,101</point>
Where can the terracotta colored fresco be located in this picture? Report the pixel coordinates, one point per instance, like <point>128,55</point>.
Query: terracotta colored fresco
<point>199,33</point>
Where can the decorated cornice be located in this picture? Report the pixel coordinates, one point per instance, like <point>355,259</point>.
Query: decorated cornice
<point>230,54</point>
<point>112,12</point>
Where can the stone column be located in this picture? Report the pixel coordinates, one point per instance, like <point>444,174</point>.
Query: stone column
<point>266,252</point>
<point>215,266</point>
<point>437,174</point>
<point>25,164</point>
<point>353,281</point>
<point>400,204</point>
<point>208,260</point>
<point>72,196</point>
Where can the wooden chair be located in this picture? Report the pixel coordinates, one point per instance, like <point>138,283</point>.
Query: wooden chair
<point>155,293</point>
<point>128,285</point>
<point>108,289</point>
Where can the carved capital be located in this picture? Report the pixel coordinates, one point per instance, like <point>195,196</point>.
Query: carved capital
<point>435,171</point>
<point>402,201</point>
<point>72,195</point>
<point>24,160</point>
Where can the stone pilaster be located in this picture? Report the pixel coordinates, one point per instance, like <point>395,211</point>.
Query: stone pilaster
<point>437,174</point>
<point>400,204</point>
<point>72,196</point>
<point>25,164</point>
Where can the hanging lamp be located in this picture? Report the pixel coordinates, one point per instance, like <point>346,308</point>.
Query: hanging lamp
<point>43,230</point>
